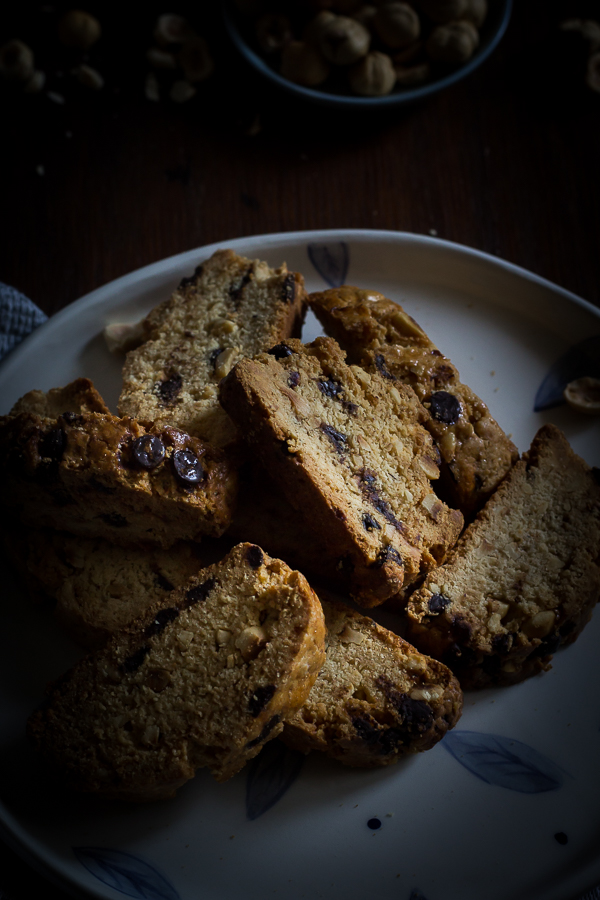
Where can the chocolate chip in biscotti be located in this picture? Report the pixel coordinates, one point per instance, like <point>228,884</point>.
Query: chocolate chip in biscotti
<point>199,592</point>
<point>175,691</point>
<point>376,699</point>
<point>53,444</point>
<point>187,466</point>
<point>169,389</point>
<point>280,351</point>
<point>255,556</point>
<point>379,335</point>
<point>383,461</point>
<point>438,603</point>
<point>234,307</point>
<point>526,567</point>
<point>445,407</point>
<point>149,451</point>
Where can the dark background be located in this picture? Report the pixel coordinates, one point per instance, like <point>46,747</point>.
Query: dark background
<point>506,162</point>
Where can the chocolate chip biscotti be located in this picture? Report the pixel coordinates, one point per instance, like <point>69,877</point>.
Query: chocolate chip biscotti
<point>97,475</point>
<point>376,699</point>
<point>476,453</point>
<point>231,307</point>
<point>524,577</point>
<point>207,677</point>
<point>351,452</point>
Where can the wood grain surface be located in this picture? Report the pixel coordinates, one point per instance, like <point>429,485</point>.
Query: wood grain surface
<point>506,161</point>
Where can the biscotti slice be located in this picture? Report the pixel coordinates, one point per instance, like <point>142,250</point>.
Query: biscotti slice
<point>204,679</point>
<point>97,587</point>
<point>79,396</point>
<point>97,475</point>
<point>524,577</point>
<point>476,453</point>
<point>231,307</point>
<point>376,699</point>
<point>350,451</point>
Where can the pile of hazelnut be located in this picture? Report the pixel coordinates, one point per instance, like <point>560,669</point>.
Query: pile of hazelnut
<point>368,48</point>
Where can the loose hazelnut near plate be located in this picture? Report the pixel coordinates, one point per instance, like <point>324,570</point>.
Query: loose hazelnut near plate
<point>583,394</point>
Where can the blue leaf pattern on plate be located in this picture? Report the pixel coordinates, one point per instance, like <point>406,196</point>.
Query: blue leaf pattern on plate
<point>504,762</point>
<point>331,261</point>
<point>126,873</point>
<point>270,774</point>
<point>580,360</point>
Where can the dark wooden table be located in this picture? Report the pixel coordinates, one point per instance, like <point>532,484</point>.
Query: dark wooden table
<point>505,161</point>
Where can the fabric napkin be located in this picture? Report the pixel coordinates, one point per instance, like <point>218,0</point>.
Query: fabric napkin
<point>18,318</point>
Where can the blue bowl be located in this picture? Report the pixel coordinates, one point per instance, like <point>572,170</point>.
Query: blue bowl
<point>490,34</point>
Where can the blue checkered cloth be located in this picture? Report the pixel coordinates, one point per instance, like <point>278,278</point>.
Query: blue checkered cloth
<point>18,318</point>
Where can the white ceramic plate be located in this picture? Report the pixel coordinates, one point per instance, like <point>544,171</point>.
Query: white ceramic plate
<point>505,807</point>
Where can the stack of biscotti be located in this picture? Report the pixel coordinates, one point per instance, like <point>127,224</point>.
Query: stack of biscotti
<point>203,679</point>
<point>351,451</point>
<point>377,333</point>
<point>230,308</point>
<point>524,577</point>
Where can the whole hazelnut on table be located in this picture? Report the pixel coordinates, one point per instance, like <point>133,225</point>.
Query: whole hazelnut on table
<point>397,24</point>
<point>303,64</point>
<point>16,61</point>
<point>373,76</point>
<point>444,10</point>
<point>79,29</point>
<point>344,41</point>
<point>172,29</point>
<point>454,42</point>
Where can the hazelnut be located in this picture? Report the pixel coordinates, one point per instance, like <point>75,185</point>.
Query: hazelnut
<point>344,41</point>
<point>444,10</point>
<point>588,30</point>
<point>16,61</point>
<point>373,76</point>
<point>172,29</point>
<point>583,394</point>
<point>195,60</point>
<point>303,64</point>
<point>397,24</point>
<point>476,12</point>
<point>151,89</point>
<point>121,337</point>
<point>181,91</point>
<point>313,31</point>
<point>225,362</point>
<point>251,641</point>
<point>273,32</point>
<point>592,75</point>
<point>79,29</point>
<point>160,59</point>
<point>454,42</point>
